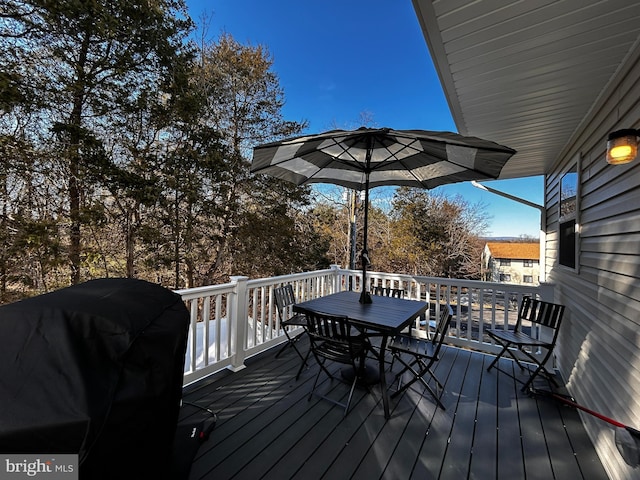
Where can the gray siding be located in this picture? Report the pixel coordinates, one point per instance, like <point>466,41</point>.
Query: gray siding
<point>598,352</point>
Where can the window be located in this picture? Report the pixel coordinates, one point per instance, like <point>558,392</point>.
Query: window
<point>505,262</point>
<point>567,256</point>
<point>567,239</point>
<point>527,279</point>
<point>528,263</point>
<point>505,277</point>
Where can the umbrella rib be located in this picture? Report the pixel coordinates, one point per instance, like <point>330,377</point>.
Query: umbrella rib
<point>393,157</point>
<point>487,145</point>
<point>321,165</point>
<point>345,151</point>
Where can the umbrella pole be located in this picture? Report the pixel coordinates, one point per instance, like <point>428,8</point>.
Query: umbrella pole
<point>365,296</point>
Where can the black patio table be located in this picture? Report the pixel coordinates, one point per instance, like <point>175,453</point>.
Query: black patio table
<point>384,317</point>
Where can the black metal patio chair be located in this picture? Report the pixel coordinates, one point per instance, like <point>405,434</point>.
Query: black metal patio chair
<point>539,314</point>
<point>389,292</point>
<point>285,298</point>
<point>333,339</point>
<point>424,354</point>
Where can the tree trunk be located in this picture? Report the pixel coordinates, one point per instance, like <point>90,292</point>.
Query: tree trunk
<point>75,125</point>
<point>74,216</point>
<point>130,244</point>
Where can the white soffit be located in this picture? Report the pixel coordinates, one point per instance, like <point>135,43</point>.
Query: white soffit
<point>525,73</point>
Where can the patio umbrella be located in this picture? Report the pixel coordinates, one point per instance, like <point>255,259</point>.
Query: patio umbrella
<point>366,158</point>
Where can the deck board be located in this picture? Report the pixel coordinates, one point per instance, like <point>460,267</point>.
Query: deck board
<point>456,460</point>
<point>533,442</point>
<point>438,429</point>
<point>483,461</point>
<point>267,428</point>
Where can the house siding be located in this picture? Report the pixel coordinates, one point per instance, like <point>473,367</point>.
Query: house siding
<point>598,352</point>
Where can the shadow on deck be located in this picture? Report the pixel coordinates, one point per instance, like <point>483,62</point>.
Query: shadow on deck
<point>268,429</point>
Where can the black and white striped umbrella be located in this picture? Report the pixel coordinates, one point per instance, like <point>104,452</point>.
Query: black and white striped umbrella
<point>366,158</point>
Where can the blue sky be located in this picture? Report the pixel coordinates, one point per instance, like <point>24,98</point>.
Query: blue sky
<point>340,61</point>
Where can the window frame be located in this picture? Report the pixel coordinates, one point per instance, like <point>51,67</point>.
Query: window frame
<point>569,219</point>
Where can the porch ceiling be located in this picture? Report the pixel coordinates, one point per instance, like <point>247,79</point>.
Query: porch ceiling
<point>525,74</point>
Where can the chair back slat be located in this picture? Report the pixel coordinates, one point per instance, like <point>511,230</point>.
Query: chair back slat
<point>388,291</point>
<point>328,327</point>
<point>543,313</point>
<point>550,314</point>
<point>446,314</point>
<point>333,337</point>
<point>284,298</point>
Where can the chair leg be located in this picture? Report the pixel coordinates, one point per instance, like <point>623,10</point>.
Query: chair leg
<point>288,343</point>
<point>353,387</point>
<point>406,366</point>
<point>313,388</point>
<point>303,364</point>
<point>540,368</point>
<point>426,369</point>
<point>291,342</point>
<point>322,367</point>
<point>417,376</point>
<point>302,357</point>
<point>325,397</point>
<point>505,349</point>
<point>495,360</point>
<point>393,359</point>
<point>284,347</point>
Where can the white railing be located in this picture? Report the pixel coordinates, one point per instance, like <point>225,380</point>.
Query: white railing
<point>237,320</point>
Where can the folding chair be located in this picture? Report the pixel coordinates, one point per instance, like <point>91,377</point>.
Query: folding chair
<point>424,353</point>
<point>540,314</point>
<point>400,293</point>
<point>333,338</point>
<point>389,292</point>
<point>284,299</point>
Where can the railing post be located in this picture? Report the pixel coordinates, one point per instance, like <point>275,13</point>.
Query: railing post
<point>336,278</point>
<point>238,322</point>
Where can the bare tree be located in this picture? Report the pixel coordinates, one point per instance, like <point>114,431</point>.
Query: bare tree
<point>434,235</point>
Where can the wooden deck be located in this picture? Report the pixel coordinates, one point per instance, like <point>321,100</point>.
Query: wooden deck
<point>490,430</point>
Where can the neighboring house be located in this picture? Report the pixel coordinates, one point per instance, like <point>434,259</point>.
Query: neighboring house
<point>552,79</point>
<point>511,262</point>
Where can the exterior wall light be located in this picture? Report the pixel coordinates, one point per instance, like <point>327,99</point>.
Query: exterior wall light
<point>622,146</point>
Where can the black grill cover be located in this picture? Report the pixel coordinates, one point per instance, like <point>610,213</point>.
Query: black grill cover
<point>94,369</point>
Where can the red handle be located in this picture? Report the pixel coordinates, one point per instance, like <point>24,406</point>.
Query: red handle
<point>591,412</point>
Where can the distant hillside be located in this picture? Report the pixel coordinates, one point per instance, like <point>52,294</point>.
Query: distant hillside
<point>510,239</point>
